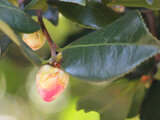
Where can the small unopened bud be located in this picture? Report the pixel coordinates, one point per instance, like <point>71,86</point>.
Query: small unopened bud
<point>147,80</point>
<point>34,40</point>
<point>118,8</point>
<point>51,82</point>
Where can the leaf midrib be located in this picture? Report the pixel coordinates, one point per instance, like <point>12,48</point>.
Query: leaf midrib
<point>104,44</point>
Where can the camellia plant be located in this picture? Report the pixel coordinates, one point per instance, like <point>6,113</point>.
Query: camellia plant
<point>118,51</point>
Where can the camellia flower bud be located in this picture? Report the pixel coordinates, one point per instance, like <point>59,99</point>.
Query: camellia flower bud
<point>34,40</point>
<point>51,82</point>
<point>118,8</point>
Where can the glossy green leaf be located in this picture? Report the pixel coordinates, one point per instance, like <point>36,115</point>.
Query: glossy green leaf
<point>93,15</point>
<point>151,105</point>
<point>109,53</point>
<point>112,102</point>
<point>4,43</point>
<point>138,97</point>
<point>151,4</point>
<point>16,18</point>
<point>80,2</point>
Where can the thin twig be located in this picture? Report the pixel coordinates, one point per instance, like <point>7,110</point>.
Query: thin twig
<point>52,45</point>
<point>20,2</point>
<point>151,22</point>
<point>152,28</point>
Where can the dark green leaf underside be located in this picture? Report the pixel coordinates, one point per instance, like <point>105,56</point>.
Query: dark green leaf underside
<point>109,53</point>
<point>16,18</point>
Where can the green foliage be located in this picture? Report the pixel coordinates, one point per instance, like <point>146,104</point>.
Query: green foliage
<point>152,4</point>
<point>119,47</point>
<point>88,16</point>
<point>151,106</point>
<point>4,42</point>
<point>112,102</point>
<point>9,32</point>
<point>16,18</point>
<point>80,2</point>
<point>33,2</point>
<point>138,97</point>
<point>33,57</point>
<point>37,4</point>
<point>17,39</point>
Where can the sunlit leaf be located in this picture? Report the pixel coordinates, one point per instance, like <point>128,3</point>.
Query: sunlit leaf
<point>37,4</point>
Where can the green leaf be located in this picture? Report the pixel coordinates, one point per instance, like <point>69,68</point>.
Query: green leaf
<point>151,105</point>
<point>157,75</point>
<point>112,102</point>
<point>138,97</point>
<point>52,14</point>
<point>151,4</point>
<point>33,2</point>
<point>14,2</point>
<point>34,58</point>
<point>16,18</point>
<point>30,54</point>
<point>9,32</point>
<point>37,4</point>
<point>4,43</point>
<point>80,2</point>
<point>93,15</point>
<point>109,53</point>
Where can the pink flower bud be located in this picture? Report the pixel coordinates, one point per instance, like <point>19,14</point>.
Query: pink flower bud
<point>34,40</point>
<point>51,82</point>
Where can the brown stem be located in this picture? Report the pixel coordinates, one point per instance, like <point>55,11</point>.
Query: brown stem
<point>152,27</point>
<point>52,45</point>
<point>20,2</point>
<point>151,22</point>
